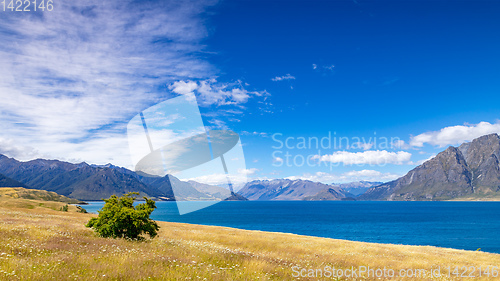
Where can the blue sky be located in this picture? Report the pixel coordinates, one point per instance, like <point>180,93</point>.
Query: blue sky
<point>425,73</point>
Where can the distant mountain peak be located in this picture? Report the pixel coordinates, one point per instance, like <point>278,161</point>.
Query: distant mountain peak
<point>94,182</point>
<point>470,170</point>
<point>286,189</point>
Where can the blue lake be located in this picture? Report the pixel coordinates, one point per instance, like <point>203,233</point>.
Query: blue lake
<point>460,225</point>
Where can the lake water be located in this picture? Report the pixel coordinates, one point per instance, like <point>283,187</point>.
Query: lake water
<point>460,225</point>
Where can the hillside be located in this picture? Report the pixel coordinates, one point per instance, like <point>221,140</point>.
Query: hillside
<point>43,244</point>
<point>7,193</point>
<point>80,181</point>
<point>470,171</point>
<point>94,182</point>
<point>8,182</point>
<point>325,194</point>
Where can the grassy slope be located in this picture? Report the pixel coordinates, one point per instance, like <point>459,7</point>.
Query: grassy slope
<point>35,194</point>
<point>43,244</point>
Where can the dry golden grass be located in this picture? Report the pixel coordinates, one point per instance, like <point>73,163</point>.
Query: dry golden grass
<point>44,244</point>
<point>34,194</point>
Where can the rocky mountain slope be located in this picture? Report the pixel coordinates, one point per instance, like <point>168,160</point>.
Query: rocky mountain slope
<point>326,194</point>
<point>285,189</point>
<point>8,182</point>
<point>94,182</point>
<point>471,170</point>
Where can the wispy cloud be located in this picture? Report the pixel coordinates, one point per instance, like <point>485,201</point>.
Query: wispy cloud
<point>371,157</point>
<point>210,92</point>
<point>454,135</point>
<point>238,180</point>
<point>351,176</point>
<point>278,160</point>
<point>362,145</point>
<point>390,81</point>
<point>329,67</point>
<point>285,77</point>
<point>72,77</point>
<point>261,134</point>
<point>222,102</point>
<point>250,171</point>
<point>323,69</point>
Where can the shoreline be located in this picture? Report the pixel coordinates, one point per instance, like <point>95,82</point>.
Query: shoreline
<point>388,241</point>
<point>384,237</point>
<point>229,228</point>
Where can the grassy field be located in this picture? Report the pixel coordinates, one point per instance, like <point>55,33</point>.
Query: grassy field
<point>37,242</point>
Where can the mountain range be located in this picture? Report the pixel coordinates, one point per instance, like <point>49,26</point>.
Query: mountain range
<point>8,182</point>
<point>358,187</point>
<point>470,171</point>
<point>286,189</point>
<point>94,182</point>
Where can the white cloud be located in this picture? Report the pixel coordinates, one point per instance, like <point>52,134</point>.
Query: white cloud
<point>237,180</point>
<point>240,179</point>
<point>216,124</point>
<point>361,145</point>
<point>323,69</point>
<point>71,78</point>
<point>210,92</point>
<point>278,159</point>
<point>183,88</point>
<point>250,171</point>
<point>400,144</point>
<point>285,77</point>
<point>12,148</point>
<point>363,173</point>
<point>455,134</point>
<point>246,133</point>
<point>351,176</point>
<point>372,157</point>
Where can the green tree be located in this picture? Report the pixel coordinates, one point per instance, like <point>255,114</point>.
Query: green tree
<point>119,219</point>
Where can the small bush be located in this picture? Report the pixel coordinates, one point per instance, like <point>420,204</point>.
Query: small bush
<point>120,219</point>
<point>64,208</point>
